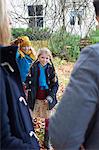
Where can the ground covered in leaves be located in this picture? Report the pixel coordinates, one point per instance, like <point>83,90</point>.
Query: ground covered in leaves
<point>63,70</point>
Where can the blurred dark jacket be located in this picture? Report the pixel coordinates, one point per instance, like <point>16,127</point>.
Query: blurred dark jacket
<point>17,130</point>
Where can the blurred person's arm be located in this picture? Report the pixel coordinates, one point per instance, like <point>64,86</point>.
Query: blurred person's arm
<point>68,125</point>
<point>7,140</point>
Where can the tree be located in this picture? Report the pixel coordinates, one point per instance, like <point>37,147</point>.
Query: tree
<point>56,14</point>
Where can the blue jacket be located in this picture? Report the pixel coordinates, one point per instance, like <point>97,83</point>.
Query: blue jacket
<point>24,65</point>
<point>76,120</point>
<point>17,130</point>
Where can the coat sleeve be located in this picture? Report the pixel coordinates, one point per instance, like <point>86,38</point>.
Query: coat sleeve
<point>54,86</point>
<point>53,90</point>
<point>68,125</point>
<point>53,82</point>
<point>7,140</point>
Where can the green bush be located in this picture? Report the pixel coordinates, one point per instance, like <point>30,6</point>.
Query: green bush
<point>64,44</point>
<point>33,34</point>
<point>16,32</point>
<point>94,36</point>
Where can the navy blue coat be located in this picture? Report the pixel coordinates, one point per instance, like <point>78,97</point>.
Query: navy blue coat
<point>17,130</point>
<point>32,84</point>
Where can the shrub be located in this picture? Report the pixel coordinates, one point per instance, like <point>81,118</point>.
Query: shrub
<point>16,32</point>
<point>33,34</point>
<point>64,44</point>
<point>94,36</point>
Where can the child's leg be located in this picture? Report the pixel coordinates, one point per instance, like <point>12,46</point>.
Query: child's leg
<point>46,124</point>
<point>46,135</point>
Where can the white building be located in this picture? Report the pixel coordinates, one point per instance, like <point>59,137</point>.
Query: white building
<point>77,16</point>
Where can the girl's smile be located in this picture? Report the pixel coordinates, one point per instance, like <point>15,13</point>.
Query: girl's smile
<point>43,59</point>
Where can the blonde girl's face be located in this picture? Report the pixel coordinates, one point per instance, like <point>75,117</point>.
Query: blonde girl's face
<point>44,59</point>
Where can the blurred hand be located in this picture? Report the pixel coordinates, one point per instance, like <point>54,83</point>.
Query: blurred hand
<point>46,101</point>
<point>21,53</point>
<point>82,147</point>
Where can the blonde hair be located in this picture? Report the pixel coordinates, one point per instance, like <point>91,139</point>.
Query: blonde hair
<point>46,51</point>
<point>5,32</point>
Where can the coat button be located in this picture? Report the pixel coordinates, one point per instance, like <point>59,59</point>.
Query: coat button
<point>48,82</point>
<point>29,82</point>
<point>29,90</point>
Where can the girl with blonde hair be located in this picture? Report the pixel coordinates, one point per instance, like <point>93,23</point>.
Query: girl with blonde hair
<point>43,85</point>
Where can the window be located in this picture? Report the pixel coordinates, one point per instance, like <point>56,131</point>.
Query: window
<point>35,13</point>
<point>31,22</point>
<point>31,11</point>
<point>39,10</point>
<point>36,22</point>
